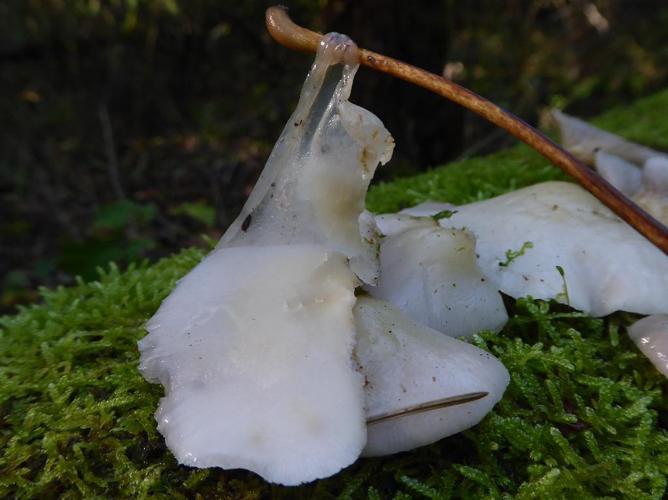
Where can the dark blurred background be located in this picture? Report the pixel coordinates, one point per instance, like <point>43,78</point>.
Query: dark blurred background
<point>130,128</point>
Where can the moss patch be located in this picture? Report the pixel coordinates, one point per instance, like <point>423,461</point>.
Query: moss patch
<point>584,414</point>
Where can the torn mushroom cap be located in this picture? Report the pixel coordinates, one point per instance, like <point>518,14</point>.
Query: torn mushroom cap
<point>254,345</point>
<point>313,187</point>
<point>431,275</point>
<point>256,365</point>
<point>422,215</point>
<point>650,334</point>
<point>556,241</point>
<point>407,364</point>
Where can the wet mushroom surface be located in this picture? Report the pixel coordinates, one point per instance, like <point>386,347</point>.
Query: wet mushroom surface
<point>555,241</point>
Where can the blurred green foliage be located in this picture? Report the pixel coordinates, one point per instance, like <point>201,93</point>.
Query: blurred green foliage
<point>198,210</point>
<point>115,236</point>
<point>175,104</point>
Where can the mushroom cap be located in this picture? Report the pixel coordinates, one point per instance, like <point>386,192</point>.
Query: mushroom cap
<point>406,364</point>
<point>431,275</point>
<point>606,265</point>
<point>254,350</point>
<point>527,238</point>
<point>650,334</point>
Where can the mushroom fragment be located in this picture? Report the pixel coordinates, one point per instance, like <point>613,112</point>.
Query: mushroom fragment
<point>393,224</point>
<point>622,174</point>
<point>646,185</point>
<point>254,345</point>
<point>556,241</point>
<point>655,173</point>
<point>653,196</point>
<point>431,275</point>
<point>405,364</point>
<point>313,186</point>
<point>584,140</point>
<point>637,171</point>
<point>650,334</point>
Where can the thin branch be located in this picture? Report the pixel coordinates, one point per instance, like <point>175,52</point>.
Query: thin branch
<point>437,404</point>
<point>295,37</point>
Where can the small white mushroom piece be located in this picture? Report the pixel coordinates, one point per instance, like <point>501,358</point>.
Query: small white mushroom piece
<point>655,174</point>
<point>554,240</point>
<point>584,140</point>
<point>650,334</point>
<point>431,275</point>
<point>646,185</point>
<point>622,174</point>
<point>407,364</point>
<point>254,346</point>
<point>653,196</point>
<point>637,171</point>
<point>392,224</point>
<point>422,215</point>
<point>428,209</point>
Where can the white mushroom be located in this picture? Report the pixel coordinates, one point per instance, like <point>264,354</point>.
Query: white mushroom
<point>253,348</point>
<point>653,196</point>
<point>431,275</point>
<point>313,186</point>
<point>637,171</point>
<point>646,185</point>
<point>556,241</point>
<point>650,334</point>
<point>392,224</point>
<point>584,140</point>
<point>622,174</point>
<point>254,345</point>
<point>423,215</point>
<point>408,364</point>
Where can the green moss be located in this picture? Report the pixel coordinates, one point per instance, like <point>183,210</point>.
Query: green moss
<point>584,413</point>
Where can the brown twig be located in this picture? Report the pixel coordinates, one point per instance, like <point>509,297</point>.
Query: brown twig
<point>437,404</point>
<point>287,33</point>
